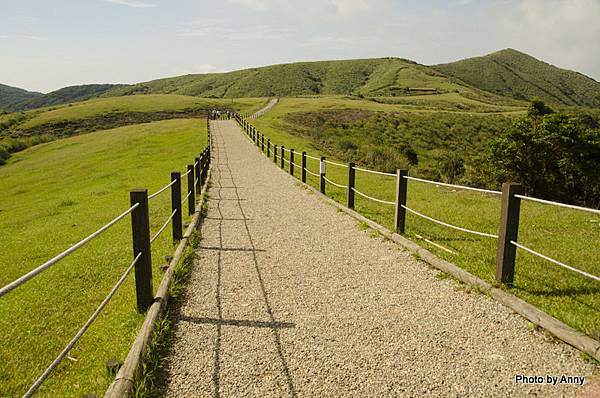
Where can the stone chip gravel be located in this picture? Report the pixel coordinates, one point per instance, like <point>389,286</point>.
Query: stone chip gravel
<point>289,298</point>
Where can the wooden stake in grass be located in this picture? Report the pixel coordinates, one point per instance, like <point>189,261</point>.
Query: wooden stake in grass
<point>197,173</point>
<point>140,227</point>
<point>292,161</point>
<point>507,232</point>
<point>322,172</point>
<point>275,153</point>
<point>400,211</point>
<point>176,206</point>
<point>283,156</point>
<point>304,167</point>
<point>268,147</point>
<point>351,182</point>
<point>262,139</point>
<point>191,198</point>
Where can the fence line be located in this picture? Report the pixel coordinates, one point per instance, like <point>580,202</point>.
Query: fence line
<point>531,251</point>
<point>450,225</point>
<point>454,186</point>
<point>510,204</point>
<point>18,282</point>
<point>34,387</point>
<point>163,226</point>
<point>549,202</point>
<point>155,194</point>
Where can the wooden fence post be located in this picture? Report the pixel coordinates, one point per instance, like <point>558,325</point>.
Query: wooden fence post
<point>507,232</point>
<point>197,173</point>
<point>351,182</point>
<point>268,147</point>
<point>192,198</point>
<point>262,139</point>
<point>322,172</point>
<point>176,206</point>
<point>275,153</point>
<point>400,213</point>
<point>283,156</point>
<point>140,227</point>
<point>292,161</point>
<point>304,167</point>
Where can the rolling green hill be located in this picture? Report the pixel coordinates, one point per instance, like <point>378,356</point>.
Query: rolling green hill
<point>521,76</point>
<point>66,95</point>
<point>12,96</point>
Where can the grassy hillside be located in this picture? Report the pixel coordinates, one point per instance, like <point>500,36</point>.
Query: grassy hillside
<point>364,77</point>
<point>10,97</point>
<point>568,235</point>
<point>521,76</point>
<point>52,196</point>
<point>66,95</point>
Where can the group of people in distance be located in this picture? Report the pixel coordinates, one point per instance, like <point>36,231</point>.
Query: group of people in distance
<point>216,115</point>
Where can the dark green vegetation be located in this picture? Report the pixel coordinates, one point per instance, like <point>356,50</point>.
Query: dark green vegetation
<point>10,97</point>
<point>21,130</point>
<point>521,76</point>
<point>568,235</point>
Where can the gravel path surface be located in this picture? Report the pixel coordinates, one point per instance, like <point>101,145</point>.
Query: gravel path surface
<point>289,298</point>
<point>272,102</point>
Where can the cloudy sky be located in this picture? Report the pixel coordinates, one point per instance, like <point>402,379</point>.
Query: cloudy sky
<point>45,45</point>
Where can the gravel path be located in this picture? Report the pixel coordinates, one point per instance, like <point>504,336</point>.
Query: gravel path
<point>272,102</point>
<point>289,298</point>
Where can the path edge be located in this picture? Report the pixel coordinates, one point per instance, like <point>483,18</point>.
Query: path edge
<point>123,384</point>
<point>535,315</point>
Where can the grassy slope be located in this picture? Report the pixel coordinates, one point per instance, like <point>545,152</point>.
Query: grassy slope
<point>10,96</point>
<point>512,73</point>
<point>568,235</point>
<point>53,195</point>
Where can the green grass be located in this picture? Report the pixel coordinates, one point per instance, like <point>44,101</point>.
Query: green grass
<point>512,73</point>
<point>568,235</point>
<point>53,195</point>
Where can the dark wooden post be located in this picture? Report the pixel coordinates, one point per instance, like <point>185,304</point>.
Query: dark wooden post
<point>292,161</point>
<point>197,174</point>
<point>140,227</point>
<point>192,198</point>
<point>282,156</point>
<point>400,213</point>
<point>176,206</point>
<point>507,232</point>
<point>268,147</point>
<point>201,175</point>
<point>304,167</point>
<point>351,182</point>
<point>322,173</point>
<point>275,153</point>
<point>262,139</point>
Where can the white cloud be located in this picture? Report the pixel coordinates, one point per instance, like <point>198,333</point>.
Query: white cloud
<point>326,8</point>
<point>132,3</point>
<point>24,37</point>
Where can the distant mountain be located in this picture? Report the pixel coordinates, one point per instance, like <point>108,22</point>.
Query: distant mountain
<point>521,76</point>
<point>65,95</point>
<point>10,96</point>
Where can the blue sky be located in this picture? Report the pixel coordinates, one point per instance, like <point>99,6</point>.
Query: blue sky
<point>45,45</point>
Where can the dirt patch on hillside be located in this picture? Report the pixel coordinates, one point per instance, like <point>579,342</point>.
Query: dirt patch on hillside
<point>319,118</point>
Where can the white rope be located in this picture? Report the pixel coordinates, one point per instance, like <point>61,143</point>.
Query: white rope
<point>310,172</point>
<point>375,199</point>
<point>81,331</point>
<point>186,198</point>
<point>596,278</point>
<point>188,172</point>
<point>336,164</point>
<point>312,157</point>
<point>450,225</point>
<point>164,226</point>
<point>334,184</point>
<point>196,164</point>
<point>296,165</point>
<point>454,186</point>
<point>196,182</point>
<point>375,172</point>
<point>548,202</point>
<point>155,194</point>
<point>64,254</point>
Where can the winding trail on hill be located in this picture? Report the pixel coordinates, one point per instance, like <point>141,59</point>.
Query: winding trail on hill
<point>289,298</point>
<point>272,102</point>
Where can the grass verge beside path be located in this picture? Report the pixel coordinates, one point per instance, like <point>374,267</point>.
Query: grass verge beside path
<point>54,195</point>
<point>570,236</point>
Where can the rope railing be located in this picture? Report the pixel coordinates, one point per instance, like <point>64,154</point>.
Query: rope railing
<point>335,184</point>
<point>155,194</point>
<point>454,186</point>
<point>336,164</point>
<point>375,172</point>
<point>186,197</point>
<point>163,226</point>
<point>531,251</point>
<point>18,282</point>
<point>372,198</point>
<point>312,157</point>
<point>549,202</point>
<point>449,225</point>
<point>36,385</point>
<point>311,173</point>
<point>186,173</point>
